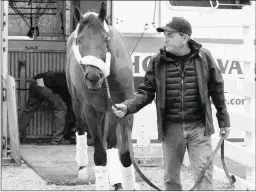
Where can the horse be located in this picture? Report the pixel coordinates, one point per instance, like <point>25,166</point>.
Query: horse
<point>99,66</point>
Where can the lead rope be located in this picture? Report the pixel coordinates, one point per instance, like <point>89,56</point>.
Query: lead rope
<point>121,120</point>
<point>231,178</point>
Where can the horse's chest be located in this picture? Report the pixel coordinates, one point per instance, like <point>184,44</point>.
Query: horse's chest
<point>98,102</point>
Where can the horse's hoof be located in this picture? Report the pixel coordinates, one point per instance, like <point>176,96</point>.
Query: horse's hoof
<point>82,174</point>
<point>118,187</point>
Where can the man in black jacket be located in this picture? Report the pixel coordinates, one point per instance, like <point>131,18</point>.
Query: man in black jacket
<point>184,76</point>
<point>50,87</point>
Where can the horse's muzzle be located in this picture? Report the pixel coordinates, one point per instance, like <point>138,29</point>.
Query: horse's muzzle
<point>93,82</point>
<point>93,77</point>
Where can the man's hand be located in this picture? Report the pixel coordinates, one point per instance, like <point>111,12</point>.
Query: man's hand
<point>224,132</point>
<point>120,110</point>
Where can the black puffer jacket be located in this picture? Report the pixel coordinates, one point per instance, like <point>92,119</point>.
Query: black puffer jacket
<point>210,84</point>
<point>183,103</point>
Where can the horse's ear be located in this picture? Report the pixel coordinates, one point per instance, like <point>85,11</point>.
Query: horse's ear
<point>102,12</point>
<point>77,14</point>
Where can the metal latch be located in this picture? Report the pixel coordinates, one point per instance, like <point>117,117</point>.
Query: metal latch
<point>4,94</point>
<point>4,143</point>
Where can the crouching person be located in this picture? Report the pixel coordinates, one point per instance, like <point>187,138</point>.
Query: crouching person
<point>50,87</point>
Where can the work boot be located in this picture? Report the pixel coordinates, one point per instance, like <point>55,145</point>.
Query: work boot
<point>22,137</point>
<point>62,142</point>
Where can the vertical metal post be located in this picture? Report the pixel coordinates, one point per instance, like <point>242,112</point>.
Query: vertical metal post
<point>109,11</point>
<point>22,86</point>
<point>3,72</point>
<point>1,87</point>
<point>68,19</point>
<point>250,98</point>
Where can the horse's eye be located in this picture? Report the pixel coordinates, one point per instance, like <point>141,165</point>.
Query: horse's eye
<point>77,41</point>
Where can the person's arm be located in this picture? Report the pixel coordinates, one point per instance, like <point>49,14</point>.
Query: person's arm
<point>216,92</point>
<point>145,92</point>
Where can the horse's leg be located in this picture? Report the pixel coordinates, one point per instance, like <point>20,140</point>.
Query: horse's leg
<point>113,160</point>
<point>127,167</point>
<point>93,120</point>
<point>81,140</point>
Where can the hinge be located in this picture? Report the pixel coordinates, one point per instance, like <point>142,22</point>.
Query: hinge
<point>3,18</point>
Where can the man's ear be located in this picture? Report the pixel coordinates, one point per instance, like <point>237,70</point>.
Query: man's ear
<point>186,38</point>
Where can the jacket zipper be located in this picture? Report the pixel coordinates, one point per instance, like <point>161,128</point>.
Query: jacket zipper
<point>182,86</point>
<point>182,96</point>
<point>182,101</point>
<point>182,89</point>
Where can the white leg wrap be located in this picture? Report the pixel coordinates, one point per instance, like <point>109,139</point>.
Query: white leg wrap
<point>129,178</point>
<point>81,150</point>
<point>114,166</point>
<point>101,176</point>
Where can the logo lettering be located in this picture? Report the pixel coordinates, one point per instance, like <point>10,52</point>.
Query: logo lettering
<point>221,66</point>
<point>136,64</point>
<point>235,65</point>
<point>227,67</point>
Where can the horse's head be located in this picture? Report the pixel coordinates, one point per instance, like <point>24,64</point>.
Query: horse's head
<point>91,49</point>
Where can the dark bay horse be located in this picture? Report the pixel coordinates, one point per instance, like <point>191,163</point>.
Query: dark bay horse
<point>97,52</point>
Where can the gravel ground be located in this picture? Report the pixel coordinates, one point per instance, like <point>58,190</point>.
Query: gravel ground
<point>24,178</point>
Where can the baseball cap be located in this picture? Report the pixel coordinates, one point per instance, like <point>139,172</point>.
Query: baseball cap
<point>178,24</point>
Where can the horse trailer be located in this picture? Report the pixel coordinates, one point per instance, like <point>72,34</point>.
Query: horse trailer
<point>37,41</point>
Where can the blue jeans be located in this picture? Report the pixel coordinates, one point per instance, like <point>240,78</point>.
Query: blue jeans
<point>178,137</point>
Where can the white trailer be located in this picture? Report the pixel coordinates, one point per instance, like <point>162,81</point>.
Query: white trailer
<point>228,31</point>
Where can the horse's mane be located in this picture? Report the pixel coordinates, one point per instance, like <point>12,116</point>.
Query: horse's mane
<point>91,21</point>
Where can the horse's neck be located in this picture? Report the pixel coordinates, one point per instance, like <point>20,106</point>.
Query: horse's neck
<point>112,80</point>
<point>120,89</point>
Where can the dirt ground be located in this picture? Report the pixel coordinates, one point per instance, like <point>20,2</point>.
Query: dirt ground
<point>24,178</point>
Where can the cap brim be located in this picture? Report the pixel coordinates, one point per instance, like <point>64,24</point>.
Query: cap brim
<point>165,28</point>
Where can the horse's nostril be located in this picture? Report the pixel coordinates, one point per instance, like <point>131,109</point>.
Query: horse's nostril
<point>93,78</point>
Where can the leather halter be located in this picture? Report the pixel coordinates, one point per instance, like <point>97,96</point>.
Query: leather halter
<point>104,66</point>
